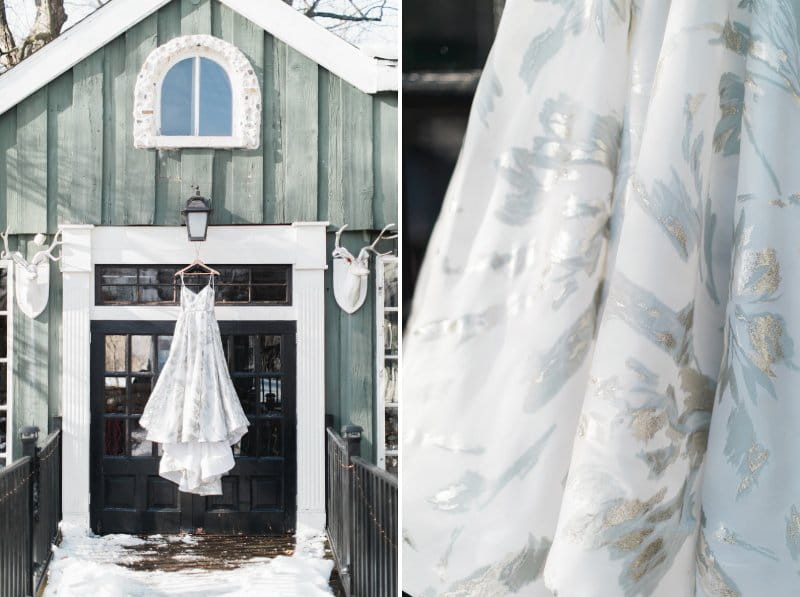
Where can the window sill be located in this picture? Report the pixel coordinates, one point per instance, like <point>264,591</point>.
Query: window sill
<point>171,143</point>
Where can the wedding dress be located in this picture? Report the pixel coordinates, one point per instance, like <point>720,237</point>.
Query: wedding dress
<point>194,411</point>
<point>601,371</point>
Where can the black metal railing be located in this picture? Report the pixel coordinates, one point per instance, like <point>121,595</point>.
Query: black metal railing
<point>361,504</point>
<point>30,510</point>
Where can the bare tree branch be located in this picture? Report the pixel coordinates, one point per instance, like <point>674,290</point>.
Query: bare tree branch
<point>7,42</point>
<point>50,18</point>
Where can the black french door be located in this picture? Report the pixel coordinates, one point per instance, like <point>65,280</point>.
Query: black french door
<point>128,495</point>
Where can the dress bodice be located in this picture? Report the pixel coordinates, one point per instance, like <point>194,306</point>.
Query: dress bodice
<point>202,301</point>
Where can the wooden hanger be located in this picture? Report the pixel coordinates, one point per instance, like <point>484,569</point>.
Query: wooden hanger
<point>210,271</point>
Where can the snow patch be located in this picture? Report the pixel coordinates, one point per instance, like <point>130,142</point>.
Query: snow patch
<point>87,564</point>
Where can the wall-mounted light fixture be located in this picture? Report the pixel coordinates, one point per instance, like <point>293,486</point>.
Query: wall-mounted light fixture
<point>197,214</point>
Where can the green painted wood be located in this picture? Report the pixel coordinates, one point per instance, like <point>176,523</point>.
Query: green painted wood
<point>30,369</point>
<point>324,174</point>
<point>195,16</point>
<point>357,340</point>
<point>269,134</point>
<point>138,177</point>
<point>349,156</point>
<point>114,118</point>
<point>8,156</point>
<point>333,352</point>
<point>55,341</point>
<point>27,193</point>
<point>84,205</point>
<point>384,209</point>
<point>240,199</point>
<point>169,196</point>
<point>61,156</point>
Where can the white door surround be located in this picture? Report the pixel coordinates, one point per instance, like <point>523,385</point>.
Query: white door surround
<point>301,244</point>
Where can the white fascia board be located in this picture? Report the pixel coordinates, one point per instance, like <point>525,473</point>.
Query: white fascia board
<point>320,45</point>
<point>274,16</point>
<point>72,46</point>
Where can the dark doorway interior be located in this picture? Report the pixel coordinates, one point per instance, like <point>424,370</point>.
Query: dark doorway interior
<point>127,494</point>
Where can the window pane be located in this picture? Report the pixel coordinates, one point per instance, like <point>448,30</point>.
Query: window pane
<point>117,295</point>
<point>244,353</point>
<point>156,294</point>
<point>117,275</point>
<point>164,342</point>
<point>390,283</point>
<point>3,385</point>
<point>140,393</point>
<point>391,428</point>
<point>114,395</point>
<point>139,445</point>
<point>269,438</point>
<point>215,100</point>
<point>269,294</point>
<point>115,437</point>
<point>3,336</point>
<point>115,353</point>
<point>232,294</point>
<point>391,333</point>
<point>141,354</point>
<point>274,274</point>
<point>177,107</point>
<point>270,354</point>
<point>246,445</point>
<point>3,288</point>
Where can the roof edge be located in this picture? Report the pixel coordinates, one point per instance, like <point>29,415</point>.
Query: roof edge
<point>346,61</point>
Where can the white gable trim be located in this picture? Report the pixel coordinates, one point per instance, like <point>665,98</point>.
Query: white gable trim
<point>274,16</point>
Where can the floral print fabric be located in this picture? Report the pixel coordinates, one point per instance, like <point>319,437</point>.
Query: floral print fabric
<point>194,411</point>
<point>599,368</point>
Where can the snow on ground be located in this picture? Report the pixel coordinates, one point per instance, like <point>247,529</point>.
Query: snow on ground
<point>87,564</point>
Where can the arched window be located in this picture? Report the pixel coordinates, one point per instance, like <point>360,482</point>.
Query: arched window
<point>197,91</point>
<point>196,100</point>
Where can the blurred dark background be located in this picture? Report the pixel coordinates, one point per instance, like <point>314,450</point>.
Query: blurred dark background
<point>445,45</point>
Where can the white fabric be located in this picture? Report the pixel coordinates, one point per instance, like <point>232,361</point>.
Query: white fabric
<point>599,376</point>
<point>194,411</point>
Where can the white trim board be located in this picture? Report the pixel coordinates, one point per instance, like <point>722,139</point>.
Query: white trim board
<point>368,74</point>
<point>303,245</point>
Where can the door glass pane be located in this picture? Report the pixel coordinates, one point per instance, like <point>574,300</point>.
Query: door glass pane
<point>116,347</point>
<point>3,288</point>
<point>269,438</point>
<point>390,333</point>
<point>270,359</point>
<point>139,445</point>
<point>140,392</point>
<point>3,336</point>
<point>162,348</point>
<point>390,283</point>
<point>244,354</point>
<point>248,391</point>
<point>114,395</point>
<point>270,397</point>
<point>391,428</point>
<point>177,105</point>
<point>247,445</point>
<point>141,354</point>
<point>215,100</point>
<point>3,385</point>
<point>114,439</point>
<point>389,381</point>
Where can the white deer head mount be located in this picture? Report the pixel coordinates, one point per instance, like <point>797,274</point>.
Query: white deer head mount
<point>32,278</point>
<point>350,274</point>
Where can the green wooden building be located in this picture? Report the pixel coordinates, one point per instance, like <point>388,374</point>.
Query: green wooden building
<point>104,133</point>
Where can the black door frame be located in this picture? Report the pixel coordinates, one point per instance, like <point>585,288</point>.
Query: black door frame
<point>190,515</point>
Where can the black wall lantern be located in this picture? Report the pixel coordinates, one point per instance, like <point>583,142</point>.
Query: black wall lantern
<point>197,213</point>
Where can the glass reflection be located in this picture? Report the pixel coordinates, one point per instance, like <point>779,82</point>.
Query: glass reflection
<point>141,354</point>
<point>116,347</point>
<point>114,395</point>
<point>139,445</point>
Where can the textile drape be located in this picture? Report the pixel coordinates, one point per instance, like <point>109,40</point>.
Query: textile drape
<point>600,384</point>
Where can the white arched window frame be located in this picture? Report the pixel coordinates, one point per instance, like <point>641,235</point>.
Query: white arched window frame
<point>245,101</point>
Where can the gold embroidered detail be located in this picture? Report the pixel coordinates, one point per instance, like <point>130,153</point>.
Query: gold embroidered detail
<point>765,332</point>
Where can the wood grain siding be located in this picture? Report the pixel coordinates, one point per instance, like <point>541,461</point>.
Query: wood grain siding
<point>328,152</point>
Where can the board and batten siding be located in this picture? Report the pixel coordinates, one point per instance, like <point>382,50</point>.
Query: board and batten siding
<point>328,152</point>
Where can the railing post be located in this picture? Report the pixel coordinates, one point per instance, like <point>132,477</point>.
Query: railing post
<point>28,435</point>
<point>351,434</point>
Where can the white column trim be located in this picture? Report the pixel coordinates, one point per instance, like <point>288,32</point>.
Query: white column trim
<point>303,245</point>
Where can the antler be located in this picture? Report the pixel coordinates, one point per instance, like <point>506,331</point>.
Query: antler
<point>6,253</point>
<point>380,237</point>
<point>339,235</point>
<point>48,253</point>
